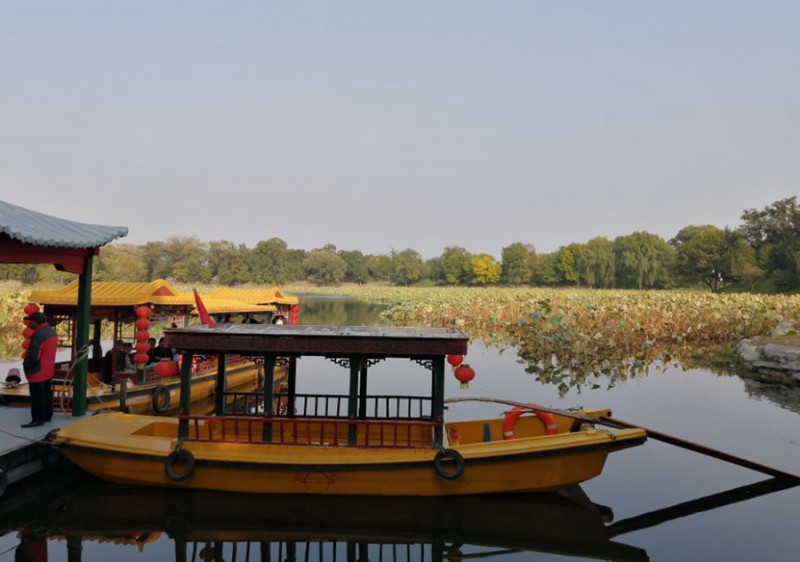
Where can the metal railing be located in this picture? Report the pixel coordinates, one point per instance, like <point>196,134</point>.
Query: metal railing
<point>310,431</point>
<point>331,405</point>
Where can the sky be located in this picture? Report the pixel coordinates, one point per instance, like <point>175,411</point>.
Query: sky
<point>395,124</point>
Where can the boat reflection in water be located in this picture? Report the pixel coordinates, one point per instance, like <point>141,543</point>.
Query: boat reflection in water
<point>246,527</point>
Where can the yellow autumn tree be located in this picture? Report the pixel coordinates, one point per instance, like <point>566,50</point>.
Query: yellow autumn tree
<point>485,269</point>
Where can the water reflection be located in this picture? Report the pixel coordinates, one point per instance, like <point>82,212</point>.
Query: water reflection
<point>341,311</point>
<point>194,526</point>
<point>209,526</point>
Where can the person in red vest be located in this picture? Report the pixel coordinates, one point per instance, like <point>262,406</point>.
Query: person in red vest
<point>39,366</point>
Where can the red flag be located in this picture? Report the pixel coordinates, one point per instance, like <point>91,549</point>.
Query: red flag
<point>205,317</point>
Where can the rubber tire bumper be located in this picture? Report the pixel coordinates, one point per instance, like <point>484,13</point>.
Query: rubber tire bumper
<point>447,456</point>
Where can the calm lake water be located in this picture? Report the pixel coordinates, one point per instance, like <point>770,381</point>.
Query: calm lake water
<point>652,502</point>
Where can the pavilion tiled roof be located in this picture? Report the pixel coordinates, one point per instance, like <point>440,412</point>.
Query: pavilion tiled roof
<point>30,227</point>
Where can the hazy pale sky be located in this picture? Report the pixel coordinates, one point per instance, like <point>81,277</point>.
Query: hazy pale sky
<point>380,125</point>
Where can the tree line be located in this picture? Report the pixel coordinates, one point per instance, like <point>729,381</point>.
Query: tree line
<point>762,254</point>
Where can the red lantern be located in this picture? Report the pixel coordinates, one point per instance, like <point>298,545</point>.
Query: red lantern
<point>142,347</point>
<point>141,336</point>
<point>24,354</point>
<point>26,344</point>
<point>141,358</point>
<point>31,309</point>
<point>143,323</point>
<point>455,360</point>
<point>464,373</point>
<point>143,312</point>
<point>27,333</point>
<point>26,322</point>
<point>166,368</point>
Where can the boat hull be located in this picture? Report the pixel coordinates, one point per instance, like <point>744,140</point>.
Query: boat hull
<point>130,451</point>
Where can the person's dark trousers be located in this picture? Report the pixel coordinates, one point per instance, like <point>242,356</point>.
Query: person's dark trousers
<point>39,393</point>
<point>48,400</point>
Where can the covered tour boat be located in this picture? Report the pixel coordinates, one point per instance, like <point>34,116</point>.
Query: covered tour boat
<point>149,387</point>
<point>356,443</point>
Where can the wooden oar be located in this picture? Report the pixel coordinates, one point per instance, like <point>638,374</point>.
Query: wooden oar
<point>699,505</point>
<point>657,435</point>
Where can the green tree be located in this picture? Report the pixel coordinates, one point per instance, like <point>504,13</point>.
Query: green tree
<point>485,269</point>
<point>324,267</point>
<point>701,256</point>
<point>453,266</point>
<point>179,258</point>
<point>517,263</point>
<point>546,272</point>
<point>774,232</point>
<point>357,271</point>
<point>570,263</point>
<point>228,262</point>
<point>743,261</point>
<point>599,264</point>
<point>379,268</point>
<point>271,262</point>
<point>643,260</point>
<point>407,267</point>
<point>121,262</point>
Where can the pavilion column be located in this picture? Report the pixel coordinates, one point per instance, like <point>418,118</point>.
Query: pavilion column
<point>362,393</point>
<point>352,402</point>
<point>220,389</point>
<point>186,394</point>
<point>291,399</point>
<point>82,322</point>
<point>438,398</point>
<point>269,396</point>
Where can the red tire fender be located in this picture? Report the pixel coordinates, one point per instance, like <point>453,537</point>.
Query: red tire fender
<point>516,412</point>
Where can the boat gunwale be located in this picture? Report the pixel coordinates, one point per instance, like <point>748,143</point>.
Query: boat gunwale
<point>611,445</point>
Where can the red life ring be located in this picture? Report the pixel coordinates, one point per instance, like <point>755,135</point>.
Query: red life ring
<point>511,420</point>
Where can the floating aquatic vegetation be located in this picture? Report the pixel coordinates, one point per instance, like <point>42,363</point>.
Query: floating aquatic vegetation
<point>574,338</point>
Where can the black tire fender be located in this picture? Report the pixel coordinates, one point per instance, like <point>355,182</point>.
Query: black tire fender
<point>177,526</point>
<point>160,399</point>
<point>448,456</point>
<point>180,456</point>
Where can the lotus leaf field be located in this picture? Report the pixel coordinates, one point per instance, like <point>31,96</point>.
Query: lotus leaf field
<point>574,337</point>
<point>567,337</point>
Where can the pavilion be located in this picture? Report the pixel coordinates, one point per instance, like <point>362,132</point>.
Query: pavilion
<point>30,237</point>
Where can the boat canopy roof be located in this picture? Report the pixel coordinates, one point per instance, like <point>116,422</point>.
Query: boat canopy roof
<point>107,293</point>
<point>158,293</point>
<point>326,341</point>
<point>230,306</point>
<point>254,296</point>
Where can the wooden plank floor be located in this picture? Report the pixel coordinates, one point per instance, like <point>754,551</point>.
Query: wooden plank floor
<point>20,448</point>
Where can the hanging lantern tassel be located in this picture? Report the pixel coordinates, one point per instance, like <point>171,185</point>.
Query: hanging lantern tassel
<point>464,373</point>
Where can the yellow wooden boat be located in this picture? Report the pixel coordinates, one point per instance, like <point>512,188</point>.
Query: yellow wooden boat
<point>113,307</point>
<point>359,443</point>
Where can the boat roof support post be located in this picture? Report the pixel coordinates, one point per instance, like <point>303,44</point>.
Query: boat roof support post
<point>292,387</point>
<point>186,393</point>
<point>219,391</point>
<point>362,392</point>
<point>83,317</point>
<point>438,399</point>
<point>269,395</point>
<point>352,401</point>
